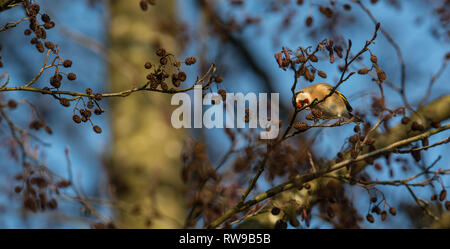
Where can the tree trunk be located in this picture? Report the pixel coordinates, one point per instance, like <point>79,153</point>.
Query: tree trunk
<point>144,166</point>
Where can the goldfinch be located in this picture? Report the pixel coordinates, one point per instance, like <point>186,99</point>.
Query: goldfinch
<point>335,106</point>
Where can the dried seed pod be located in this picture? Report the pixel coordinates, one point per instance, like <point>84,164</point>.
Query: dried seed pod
<point>223,93</point>
<point>49,45</point>
<point>143,4</point>
<point>45,18</point>
<point>370,218</point>
<point>31,204</point>
<point>97,111</point>
<point>373,199</point>
<point>313,58</point>
<point>154,85</point>
<point>90,104</point>
<point>63,184</point>
<point>381,75</point>
<point>416,155</point>
<point>309,20</point>
<point>67,63</point>
<point>363,71</point>
<point>41,33</point>
<point>316,113</point>
<point>71,76</point>
<point>64,102</point>
<point>376,210</point>
<point>373,59</point>
<point>443,195</point>
<point>300,59</point>
<point>433,197</point>
<point>405,120</point>
<point>27,32</point>
<point>338,51</point>
<point>447,205</point>
<point>76,119</point>
<point>309,76</point>
<point>160,52</point>
<point>176,83</point>
<point>88,91</point>
<point>163,61</point>
<point>356,129</point>
<point>353,139</point>
<point>35,8</point>
<point>370,141</point>
<point>98,96</point>
<point>52,204</point>
<point>322,74</point>
<point>218,79</point>
<point>190,61</point>
<point>392,211</point>
<point>97,129</point>
<point>48,130</point>
<point>301,126</point>
<point>425,142</point>
<point>383,215</point>
<point>40,47</point>
<point>275,211</point>
<point>87,113</point>
<point>164,86</point>
<point>17,189</point>
<point>49,25</point>
<point>55,82</point>
<point>181,76</point>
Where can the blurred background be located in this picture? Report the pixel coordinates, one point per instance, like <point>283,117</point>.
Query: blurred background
<point>131,172</point>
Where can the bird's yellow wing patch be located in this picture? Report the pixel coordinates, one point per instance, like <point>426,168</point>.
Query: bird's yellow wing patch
<point>349,107</point>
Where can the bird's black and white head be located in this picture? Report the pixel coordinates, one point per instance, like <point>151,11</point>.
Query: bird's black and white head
<point>302,99</point>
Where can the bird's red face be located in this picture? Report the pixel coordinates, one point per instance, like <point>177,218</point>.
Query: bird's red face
<point>302,99</point>
<point>302,102</point>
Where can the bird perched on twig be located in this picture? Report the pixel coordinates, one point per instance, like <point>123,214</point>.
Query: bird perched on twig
<point>335,106</point>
